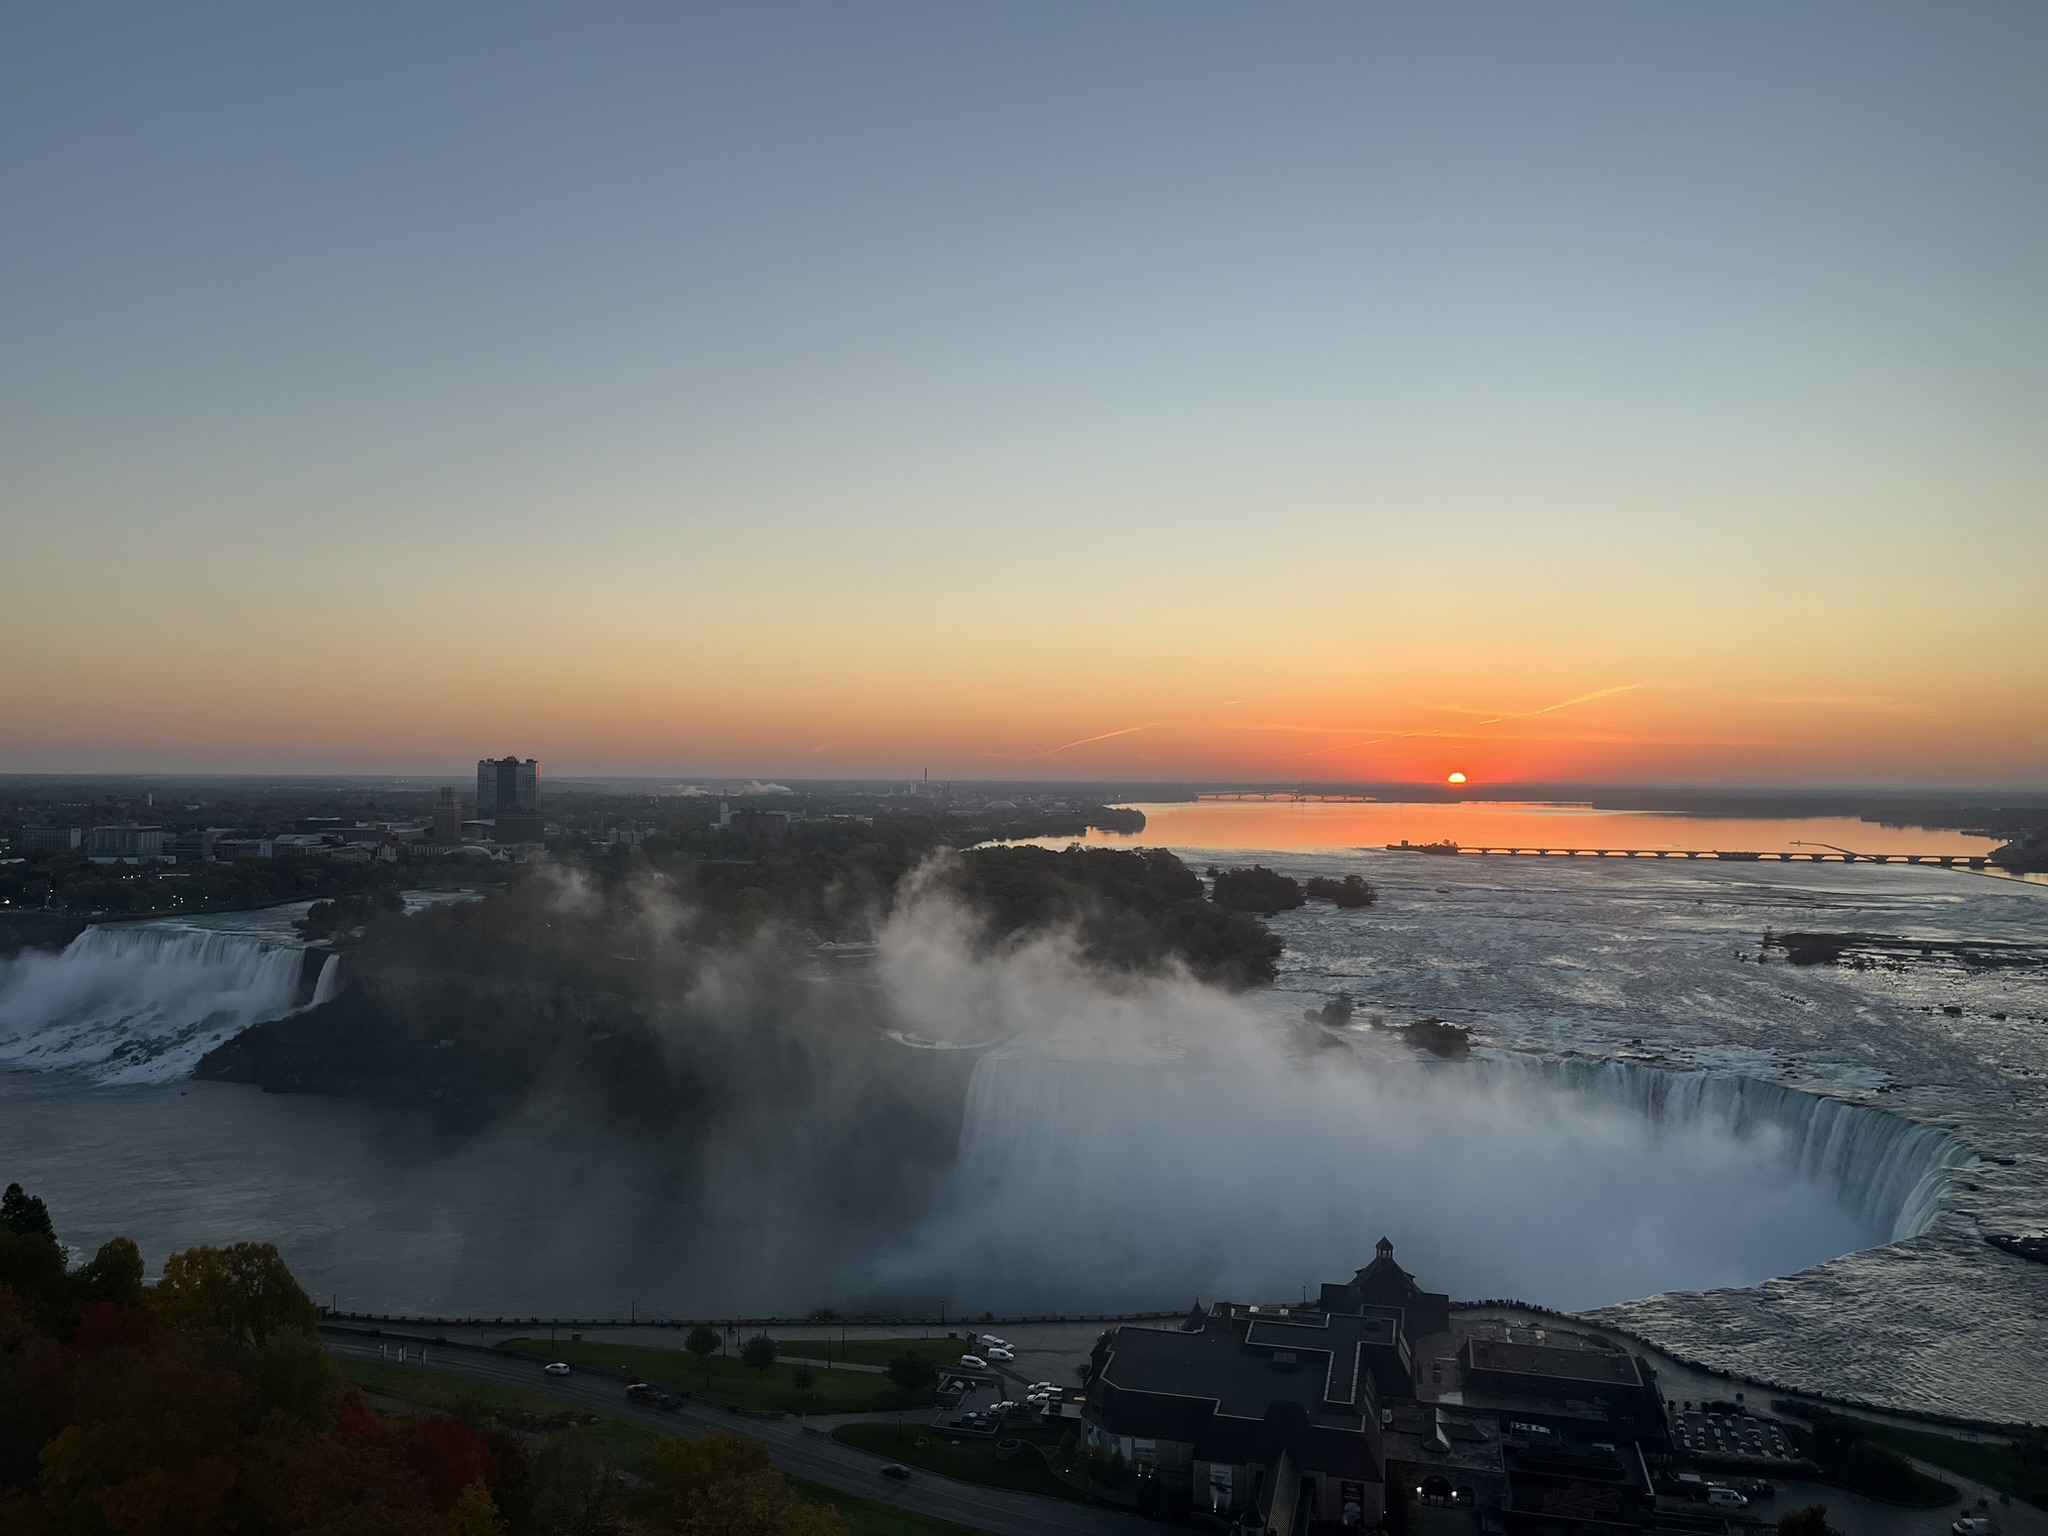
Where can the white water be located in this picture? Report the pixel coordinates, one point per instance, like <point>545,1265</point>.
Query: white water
<point>1112,1182</point>
<point>1891,1172</point>
<point>142,1002</point>
<point>330,981</point>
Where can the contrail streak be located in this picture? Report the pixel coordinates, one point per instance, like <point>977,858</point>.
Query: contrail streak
<point>1105,736</point>
<point>1549,709</point>
<point>1526,714</point>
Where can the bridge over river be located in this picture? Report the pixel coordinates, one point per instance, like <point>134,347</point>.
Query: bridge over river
<point>1814,856</point>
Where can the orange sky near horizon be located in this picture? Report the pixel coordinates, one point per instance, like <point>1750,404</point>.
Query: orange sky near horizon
<point>1183,392</point>
<point>417,694</point>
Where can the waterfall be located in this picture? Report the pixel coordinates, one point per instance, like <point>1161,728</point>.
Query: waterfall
<point>1237,1171</point>
<point>329,982</point>
<point>1890,1171</point>
<point>142,1002</point>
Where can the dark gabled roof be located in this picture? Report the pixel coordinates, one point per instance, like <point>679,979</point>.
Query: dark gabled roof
<point>1243,1373</point>
<point>1153,1415</point>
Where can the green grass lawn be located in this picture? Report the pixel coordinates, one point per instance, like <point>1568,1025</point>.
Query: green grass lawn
<point>941,1352</point>
<point>537,1413</point>
<point>731,1380</point>
<point>480,1402</point>
<point>969,1460</point>
<point>1996,1465</point>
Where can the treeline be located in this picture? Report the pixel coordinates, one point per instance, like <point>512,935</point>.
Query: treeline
<point>206,1403</point>
<point>70,882</point>
<point>599,928</point>
<point>585,981</point>
<point>1267,892</point>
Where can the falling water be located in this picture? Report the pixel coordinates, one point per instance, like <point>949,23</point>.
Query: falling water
<point>1891,1171</point>
<point>1252,1175</point>
<point>142,1002</point>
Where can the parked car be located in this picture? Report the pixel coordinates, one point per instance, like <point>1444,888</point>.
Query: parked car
<point>974,1362</point>
<point>1726,1498</point>
<point>897,1470</point>
<point>993,1342</point>
<point>1001,1352</point>
<point>557,1368</point>
<point>1972,1525</point>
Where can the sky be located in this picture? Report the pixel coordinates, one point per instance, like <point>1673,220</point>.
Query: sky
<point>1541,391</point>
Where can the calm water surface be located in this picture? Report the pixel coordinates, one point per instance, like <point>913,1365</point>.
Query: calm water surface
<point>1314,826</point>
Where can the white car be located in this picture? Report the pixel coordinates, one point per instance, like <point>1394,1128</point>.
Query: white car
<point>558,1368</point>
<point>1972,1525</point>
<point>1001,1352</point>
<point>974,1362</point>
<point>993,1342</point>
<point>1726,1498</point>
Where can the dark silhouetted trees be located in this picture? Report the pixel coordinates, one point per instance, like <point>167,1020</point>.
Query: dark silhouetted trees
<point>1257,889</point>
<point>703,1343</point>
<point>1351,892</point>
<point>913,1373</point>
<point>759,1353</point>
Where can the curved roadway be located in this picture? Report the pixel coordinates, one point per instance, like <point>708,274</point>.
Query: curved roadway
<point>813,1454</point>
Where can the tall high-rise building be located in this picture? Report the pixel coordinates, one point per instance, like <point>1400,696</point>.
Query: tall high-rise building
<point>448,818</point>
<point>506,784</point>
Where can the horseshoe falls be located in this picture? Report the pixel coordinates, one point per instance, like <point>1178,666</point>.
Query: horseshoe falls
<point>1891,1172</point>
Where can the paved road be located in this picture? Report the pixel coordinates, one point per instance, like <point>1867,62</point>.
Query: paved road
<point>817,1457</point>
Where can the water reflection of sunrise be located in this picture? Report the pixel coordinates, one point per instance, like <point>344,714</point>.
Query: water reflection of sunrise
<point>1306,826</point>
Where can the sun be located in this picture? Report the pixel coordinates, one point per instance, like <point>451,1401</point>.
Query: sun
<point>1456,778</point>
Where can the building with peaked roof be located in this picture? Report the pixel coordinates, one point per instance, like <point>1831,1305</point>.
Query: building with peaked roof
<point>1383,1283</point>
<point>1271,1416</point>
<point>1308,1421</point>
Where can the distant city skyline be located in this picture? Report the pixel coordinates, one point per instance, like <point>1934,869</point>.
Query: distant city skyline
<point>1163,391</point>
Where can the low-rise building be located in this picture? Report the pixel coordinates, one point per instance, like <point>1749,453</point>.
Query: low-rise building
<point>198,847</point>
<point>125,843</point>
<point>1269,1416</point>
<point>1445,1457</point>
<point>52,839</point>
<point>1318,1419</point>
<point>1383,1283</point>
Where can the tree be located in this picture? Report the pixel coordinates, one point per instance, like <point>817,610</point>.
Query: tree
<point>760,1352</point>
<point>475,1513</point>
<point>244,1291</point>
<point>1257,889</point>
<point>114,1275</point>
<point>804,1379</point>
<point>722,1485</point>
<point>574,1488</point>
<point>25,1214</point>
<point>32,1265</point>
<point>1351,891</point>
<point>703,1343</point>
<point>1810,1521</point>
<point>913,1373</point>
